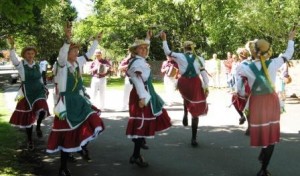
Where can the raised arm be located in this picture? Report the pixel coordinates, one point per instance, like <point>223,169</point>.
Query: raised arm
<point>13,55</point>
<point>287,55</point>
<point>87,56</point>
<point>290,47</point>
<point>63,52</point>
<point>167,51</point>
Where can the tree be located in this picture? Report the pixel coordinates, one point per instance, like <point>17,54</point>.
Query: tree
<point>41,25</point>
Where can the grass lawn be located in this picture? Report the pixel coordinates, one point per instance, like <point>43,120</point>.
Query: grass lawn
<point>14,161</point>
<point>10,142</point>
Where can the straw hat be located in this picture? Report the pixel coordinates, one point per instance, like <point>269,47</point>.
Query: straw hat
<point>27,48</point>
<point>187,44</point>
<point>136,44</point>
<point>264,48</point>
<point>259,48</point>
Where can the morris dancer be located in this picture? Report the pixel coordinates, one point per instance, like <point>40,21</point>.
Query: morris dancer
<point>99,69</point>
<point>241,88</point>
<point>75,122</point>
<point>127,85</point>
<point>146,111</point>
<point>192,85</point>
<point>281,78</point>
<point>264,107</point>
<point>32,95</point>
<point>170,81</point>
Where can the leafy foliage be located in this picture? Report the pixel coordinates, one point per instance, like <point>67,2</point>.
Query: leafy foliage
<point>215,26</point>
<point>41,23</point>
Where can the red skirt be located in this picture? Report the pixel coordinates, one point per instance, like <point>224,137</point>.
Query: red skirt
<point>193,94</point>
<point>24,117</point>
<point>264,111</point>
<point>239,102</point>
<point>64,138</point>
<point>142,123</point>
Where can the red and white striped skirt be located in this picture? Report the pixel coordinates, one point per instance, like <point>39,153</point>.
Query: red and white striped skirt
<point>264,111</point>
<point>24,117</point>
<point>142,122</point>
<point>67,139</point>
<point>193,94</point>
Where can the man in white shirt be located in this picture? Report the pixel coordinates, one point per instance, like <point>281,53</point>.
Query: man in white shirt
<point>43,68</point>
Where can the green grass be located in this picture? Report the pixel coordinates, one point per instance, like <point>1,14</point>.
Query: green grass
<point>9,138</point>
<point>118,83</point>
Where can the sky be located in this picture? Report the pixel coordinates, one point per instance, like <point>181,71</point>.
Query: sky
<point>83,7</point>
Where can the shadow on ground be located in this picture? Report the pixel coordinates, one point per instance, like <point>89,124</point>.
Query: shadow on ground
<point>222,151</point>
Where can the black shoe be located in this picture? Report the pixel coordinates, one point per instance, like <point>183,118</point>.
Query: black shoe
<point>263,173</point>
<point>144,146</point>
<point>194,143</point>
<point>247,133</point>
<point>39,133</point>
<point>30,146</point>
<point>64,172</point>
<point>139,161</point>
<point>71,158</point>
<point>185,121</point>
<point>85,155</point>
<point>242,120</point>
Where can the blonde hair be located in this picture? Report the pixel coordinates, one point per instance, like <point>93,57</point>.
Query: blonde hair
<point>261,49</point>
<point>243,53</point>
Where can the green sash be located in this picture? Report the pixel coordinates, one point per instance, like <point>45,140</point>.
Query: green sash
<point>190,71</point>
<point>261,81</point>
<point>156,101</point>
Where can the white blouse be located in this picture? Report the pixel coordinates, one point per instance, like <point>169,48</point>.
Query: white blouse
<point>275,64</point>
<point>15,59</point>
<point>183,64</point>
<point>64,65</point>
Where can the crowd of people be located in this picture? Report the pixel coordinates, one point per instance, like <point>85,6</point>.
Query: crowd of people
<point>250,77</point>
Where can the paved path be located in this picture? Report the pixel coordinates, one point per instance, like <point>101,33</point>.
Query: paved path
<point>223,151</point>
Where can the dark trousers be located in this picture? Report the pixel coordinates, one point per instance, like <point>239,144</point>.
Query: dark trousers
<point>44,77</point>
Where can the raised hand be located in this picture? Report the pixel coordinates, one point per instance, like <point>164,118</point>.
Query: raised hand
<point>292,33</point>
<point>68,31</point>
<point>11,41</point>
<point>149,34</point>
<point>163,35</point>
<point>99,36</point>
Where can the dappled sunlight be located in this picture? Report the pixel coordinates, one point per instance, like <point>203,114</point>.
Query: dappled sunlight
<point>219,137</point>
<point>173,145</point>
<point>162,134</point>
